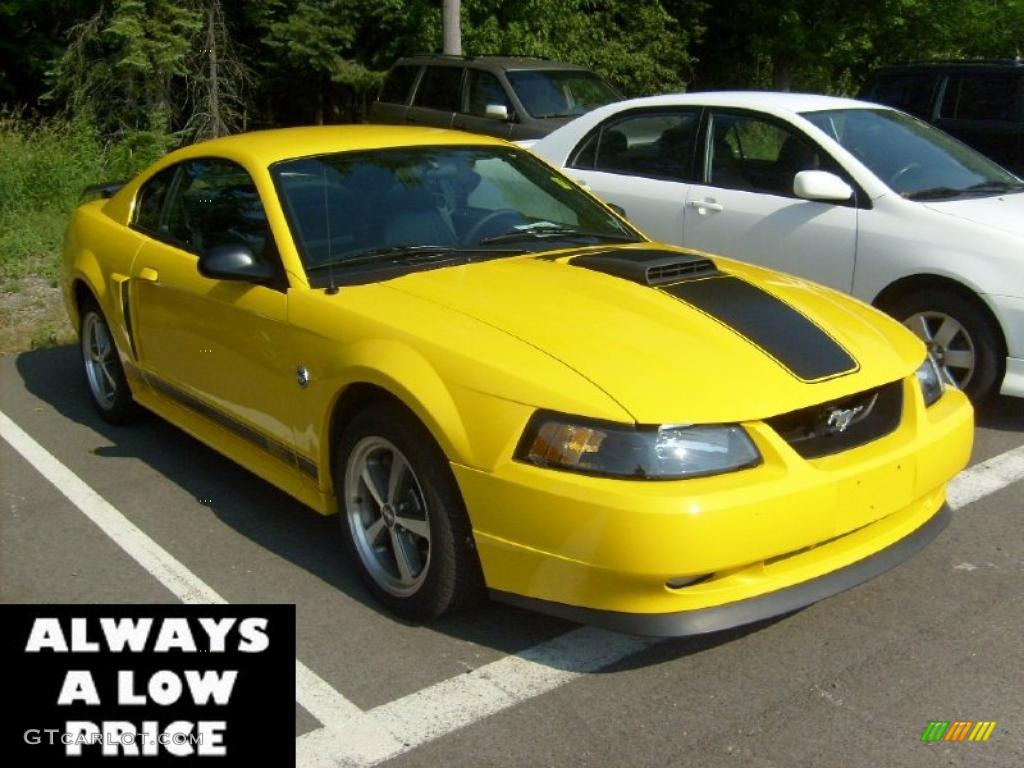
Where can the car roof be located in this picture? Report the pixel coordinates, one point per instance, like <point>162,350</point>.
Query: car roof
<point>489,62</point>
<point>771,101</point>
<point>954,65</point>
<point>268,147</point>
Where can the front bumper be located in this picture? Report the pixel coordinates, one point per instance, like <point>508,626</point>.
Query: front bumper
<point>752,609</point>
<point>614,552</point>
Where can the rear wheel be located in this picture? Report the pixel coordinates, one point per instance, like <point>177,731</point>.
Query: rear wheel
<point>963,339</point>
<point>402,516</point>
<point>103,371</point>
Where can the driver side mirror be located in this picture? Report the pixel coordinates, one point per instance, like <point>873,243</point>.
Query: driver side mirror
<point>821,185</point>
<point>234,262</point>
<point>496,112</point>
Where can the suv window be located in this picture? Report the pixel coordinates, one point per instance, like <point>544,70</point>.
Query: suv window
<point>483,88</point>
<point>439,88</point>
<point>654,144</point>
<point>149,203</point>
<point>396,88</point>
<point>991,96</point>
<point>910,92</point>
<point>216,203</point>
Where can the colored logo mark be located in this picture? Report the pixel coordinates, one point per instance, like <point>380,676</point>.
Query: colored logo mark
<point>958,730</point>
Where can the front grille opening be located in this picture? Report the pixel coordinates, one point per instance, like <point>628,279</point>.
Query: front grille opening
<point>842,424</point>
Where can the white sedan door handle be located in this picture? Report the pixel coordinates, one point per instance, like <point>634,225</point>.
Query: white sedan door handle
<point>703,206</point>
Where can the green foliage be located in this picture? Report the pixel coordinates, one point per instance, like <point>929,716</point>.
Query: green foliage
<point>44,167</point>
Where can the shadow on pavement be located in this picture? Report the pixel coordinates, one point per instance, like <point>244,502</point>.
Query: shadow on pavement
<point>284,526</point>
<point>1005,414</point>
<point>254,508</point>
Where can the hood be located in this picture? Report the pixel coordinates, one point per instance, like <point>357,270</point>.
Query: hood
<point>1004,213</point>
<point>697,350</point>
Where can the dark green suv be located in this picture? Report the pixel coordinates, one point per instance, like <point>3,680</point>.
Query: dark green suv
<point>979,102</point>
<point>510,97</point>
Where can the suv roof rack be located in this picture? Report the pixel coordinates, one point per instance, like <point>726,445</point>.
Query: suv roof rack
<point>471,57</point>
<point>998,62</point>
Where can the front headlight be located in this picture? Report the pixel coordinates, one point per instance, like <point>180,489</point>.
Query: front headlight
<point>931,379</point>
<point>619,450</point>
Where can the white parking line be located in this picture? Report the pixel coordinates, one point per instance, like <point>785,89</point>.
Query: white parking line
<point>353,738</point>
<point>460,701</point>
<point>316,696</point>
<point>986,478</point>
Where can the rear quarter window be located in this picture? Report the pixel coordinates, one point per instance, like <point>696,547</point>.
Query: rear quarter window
<point>149,203</point>
<point>396,88</point>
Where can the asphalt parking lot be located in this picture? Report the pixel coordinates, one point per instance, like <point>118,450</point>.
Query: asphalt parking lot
<point>851,681</point>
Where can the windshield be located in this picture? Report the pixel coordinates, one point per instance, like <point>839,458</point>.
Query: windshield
<point>428,203</point>
<point>560,92</point>
<point>914,159</point>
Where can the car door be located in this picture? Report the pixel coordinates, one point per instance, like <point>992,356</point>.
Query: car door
<point>218,347</point>
<point>480,90</point>
<point>745,207</point>
<point>437,96</point>
<point>642,162</point>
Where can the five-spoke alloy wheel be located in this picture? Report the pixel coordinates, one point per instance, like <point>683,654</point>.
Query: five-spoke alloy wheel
<point>959,333</point>
<point>402,515</point>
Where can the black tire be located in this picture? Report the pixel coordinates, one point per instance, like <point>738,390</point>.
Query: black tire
<point>981,336</point>
<point>450,577</point>
<point>108,387</point>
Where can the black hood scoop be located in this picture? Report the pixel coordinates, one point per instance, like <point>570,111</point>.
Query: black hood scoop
<point>648,267</point>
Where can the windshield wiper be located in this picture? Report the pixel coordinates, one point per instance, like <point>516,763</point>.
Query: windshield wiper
<point>996,186</point>
<point>403,254</point>
<point>933,193</point>
<point>537,232</point>
<point>981,188</point>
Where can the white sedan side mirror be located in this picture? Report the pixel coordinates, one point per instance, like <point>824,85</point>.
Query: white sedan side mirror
<point>821,185</point>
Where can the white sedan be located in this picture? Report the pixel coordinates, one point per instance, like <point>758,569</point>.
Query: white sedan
<point>854,195</point>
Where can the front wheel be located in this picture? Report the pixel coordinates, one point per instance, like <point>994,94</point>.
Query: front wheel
<point>402,516</point>
<point>959,334</point>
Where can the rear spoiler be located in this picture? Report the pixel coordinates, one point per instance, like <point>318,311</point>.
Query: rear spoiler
<point>104,190</point>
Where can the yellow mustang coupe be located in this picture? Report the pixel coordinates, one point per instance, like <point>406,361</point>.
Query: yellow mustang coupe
<point>502,386</point>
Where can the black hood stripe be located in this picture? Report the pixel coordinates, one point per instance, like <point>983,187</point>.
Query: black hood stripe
<point>789,337</point>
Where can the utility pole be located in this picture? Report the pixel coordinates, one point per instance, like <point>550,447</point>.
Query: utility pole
<point>451,23</point>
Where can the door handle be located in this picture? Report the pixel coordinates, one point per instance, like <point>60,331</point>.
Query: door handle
<point>149,274</point>
<point>703,206</point>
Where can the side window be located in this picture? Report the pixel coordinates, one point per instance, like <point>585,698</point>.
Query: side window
<point>216,203</point>
<point>150,201</point>
<point>654,144</point>
<point>751,153</point>
<point>989,96</point>
<point>911,93</point>
<point>483,88</point>
<point>396,88</point>
<point>439,88</point>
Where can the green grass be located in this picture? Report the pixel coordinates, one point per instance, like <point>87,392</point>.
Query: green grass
<point>44,166</point>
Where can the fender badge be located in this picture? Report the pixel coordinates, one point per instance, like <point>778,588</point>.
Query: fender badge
<point>302,375</point>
